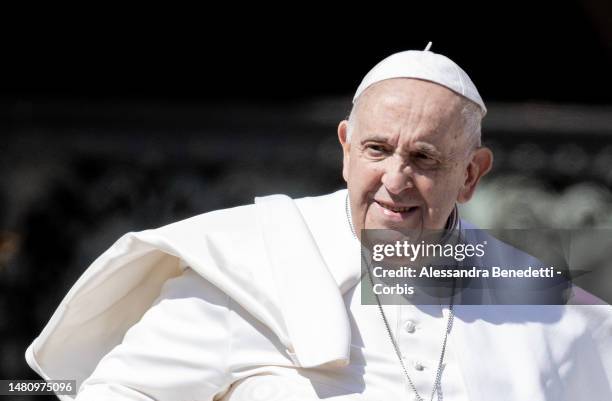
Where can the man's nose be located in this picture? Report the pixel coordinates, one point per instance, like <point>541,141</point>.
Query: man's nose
<point>397,176</point>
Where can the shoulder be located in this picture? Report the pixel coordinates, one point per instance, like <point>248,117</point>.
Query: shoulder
<point>217,220</point>
<point>319,201</point>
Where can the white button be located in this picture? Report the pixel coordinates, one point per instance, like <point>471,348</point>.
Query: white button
<point>409,326</point>
<point>418,366</point>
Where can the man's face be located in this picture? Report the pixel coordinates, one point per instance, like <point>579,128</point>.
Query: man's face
<point>408,161</point>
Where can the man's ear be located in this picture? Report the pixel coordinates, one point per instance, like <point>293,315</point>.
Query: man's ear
<point>479,165</point>
<point>346,147</point>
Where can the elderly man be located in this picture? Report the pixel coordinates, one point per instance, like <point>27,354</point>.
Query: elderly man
<point>261,302</point>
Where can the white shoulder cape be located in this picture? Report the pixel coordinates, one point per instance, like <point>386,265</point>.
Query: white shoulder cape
<point>261,255</point>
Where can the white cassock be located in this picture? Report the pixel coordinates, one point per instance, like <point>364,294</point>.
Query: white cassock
<point>262,302</point>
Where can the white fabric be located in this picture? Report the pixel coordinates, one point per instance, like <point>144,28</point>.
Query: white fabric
<point>237,358</point>
<point>425,65</point>
<point>228,249</point>
<point>502,353</point>
<point>246,353</point>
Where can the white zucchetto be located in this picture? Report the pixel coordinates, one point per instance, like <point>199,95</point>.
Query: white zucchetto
<point>425,65</point>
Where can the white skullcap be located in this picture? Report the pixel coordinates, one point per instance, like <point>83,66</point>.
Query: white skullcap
<point>425,65</point>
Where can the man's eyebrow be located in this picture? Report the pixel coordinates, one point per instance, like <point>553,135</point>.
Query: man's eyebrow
<point>375,138</point>
<point>418,147</point>
<point>425,148</point>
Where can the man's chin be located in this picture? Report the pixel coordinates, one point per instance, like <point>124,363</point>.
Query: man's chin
<point>403,226</point>
<point>402,229</point>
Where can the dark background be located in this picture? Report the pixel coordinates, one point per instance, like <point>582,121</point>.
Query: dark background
<point>515,51</point>
<point>118,121</point>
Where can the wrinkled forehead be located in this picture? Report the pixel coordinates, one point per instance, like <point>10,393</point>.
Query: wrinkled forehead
<point>422,105</point>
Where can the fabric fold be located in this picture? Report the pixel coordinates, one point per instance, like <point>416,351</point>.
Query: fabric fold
<point>311,302</point>
<point>263,256</point>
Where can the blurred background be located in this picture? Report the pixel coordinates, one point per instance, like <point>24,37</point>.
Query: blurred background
<point>132,121</point>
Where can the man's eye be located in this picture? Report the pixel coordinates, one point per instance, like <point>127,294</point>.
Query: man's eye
<point>376,149</point>
<point>424,159</point>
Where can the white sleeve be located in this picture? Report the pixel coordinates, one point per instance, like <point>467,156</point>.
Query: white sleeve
<point>177,351</point>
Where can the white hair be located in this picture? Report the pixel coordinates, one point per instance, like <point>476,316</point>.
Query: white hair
<point>472,116</point>
<point>472,123</point>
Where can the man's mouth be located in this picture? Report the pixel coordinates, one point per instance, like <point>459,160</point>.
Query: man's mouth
<point>396,209</point>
